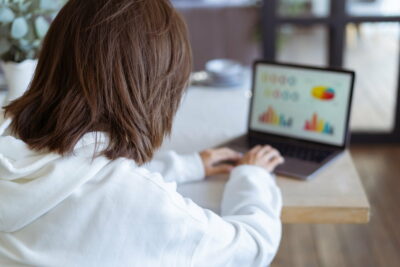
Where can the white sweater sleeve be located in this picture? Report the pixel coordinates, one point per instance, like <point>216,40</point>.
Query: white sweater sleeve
<point>249,232</point>
<point>177,168</point>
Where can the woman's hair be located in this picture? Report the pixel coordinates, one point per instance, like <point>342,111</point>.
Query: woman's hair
<point>117,66</point>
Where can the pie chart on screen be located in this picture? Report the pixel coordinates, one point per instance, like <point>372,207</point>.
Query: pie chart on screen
<point>323,93</point>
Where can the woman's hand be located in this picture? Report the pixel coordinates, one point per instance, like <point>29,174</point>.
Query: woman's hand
<point>262,156</point>
<point>215,161</point>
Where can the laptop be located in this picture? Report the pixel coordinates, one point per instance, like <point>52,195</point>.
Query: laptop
<point>302,111</point>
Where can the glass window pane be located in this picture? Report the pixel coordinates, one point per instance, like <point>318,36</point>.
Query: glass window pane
<point>302,44</point>
<point>372,50</point>
<point>303,8</point>
<point>373,7</point>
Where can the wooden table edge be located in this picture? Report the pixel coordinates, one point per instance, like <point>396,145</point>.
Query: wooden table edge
<point>326,215</point>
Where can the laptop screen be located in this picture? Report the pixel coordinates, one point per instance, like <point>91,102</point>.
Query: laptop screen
<point>300,102</point>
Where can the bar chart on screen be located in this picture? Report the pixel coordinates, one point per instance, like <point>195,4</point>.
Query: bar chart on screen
<point>318,125</point>
<point>272,117</point>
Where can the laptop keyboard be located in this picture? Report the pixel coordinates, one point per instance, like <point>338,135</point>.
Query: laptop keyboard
<point>299,151</point>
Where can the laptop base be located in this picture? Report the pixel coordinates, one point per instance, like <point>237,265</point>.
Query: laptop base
<point>293,167</point>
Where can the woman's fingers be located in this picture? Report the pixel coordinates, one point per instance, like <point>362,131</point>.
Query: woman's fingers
<point>255,149</point>
<point>275,162</point>
<point>226,154</point>
<point>263,156</point>
<point>271,154</point>
<point>264,150</point>
<point>215,160</point>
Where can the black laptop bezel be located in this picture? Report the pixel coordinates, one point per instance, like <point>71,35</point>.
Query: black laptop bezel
<point>253,133</point>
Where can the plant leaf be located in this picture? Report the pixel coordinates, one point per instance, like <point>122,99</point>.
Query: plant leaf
<point>50,4</point>
<point>24,44</point>
<point>19,28</point>
<point>24,6</point>
<point>36,43</point>
<point>4,46</point>
<point>30,54</point>
<point>6,15</point>
<point>41,26</point>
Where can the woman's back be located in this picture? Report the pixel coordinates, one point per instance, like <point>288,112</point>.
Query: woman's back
<point>75,211</point>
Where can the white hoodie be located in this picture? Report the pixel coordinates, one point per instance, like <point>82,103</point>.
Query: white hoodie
<point>78,211</point>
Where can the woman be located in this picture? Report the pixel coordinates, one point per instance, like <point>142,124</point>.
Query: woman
<point>79,182</point>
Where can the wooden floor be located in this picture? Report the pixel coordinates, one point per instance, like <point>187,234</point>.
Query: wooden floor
<point>374,244</point>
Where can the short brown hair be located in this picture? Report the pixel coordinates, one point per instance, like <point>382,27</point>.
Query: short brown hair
<point>118,66</point>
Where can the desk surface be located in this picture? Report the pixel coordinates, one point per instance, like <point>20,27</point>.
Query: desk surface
<point>211,116</point>
<point>334,196</point>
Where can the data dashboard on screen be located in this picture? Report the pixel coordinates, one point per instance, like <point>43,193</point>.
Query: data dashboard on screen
<point>308,104</point>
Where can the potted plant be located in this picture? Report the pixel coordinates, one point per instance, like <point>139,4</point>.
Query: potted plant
<point>23,25</point>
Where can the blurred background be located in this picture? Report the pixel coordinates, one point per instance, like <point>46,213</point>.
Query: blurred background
<point>362,35</point>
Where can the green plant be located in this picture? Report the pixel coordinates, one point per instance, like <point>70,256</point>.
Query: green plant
<point>23,25</point>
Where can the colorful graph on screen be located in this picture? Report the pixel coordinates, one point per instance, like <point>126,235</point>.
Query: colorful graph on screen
<point>323,93</point>
<point>318,125</point>
<point>285,95</point>
<point>272,117</point>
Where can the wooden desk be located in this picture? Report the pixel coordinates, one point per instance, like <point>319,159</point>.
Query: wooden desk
<point>210,116</point>
<point>334,196</point>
